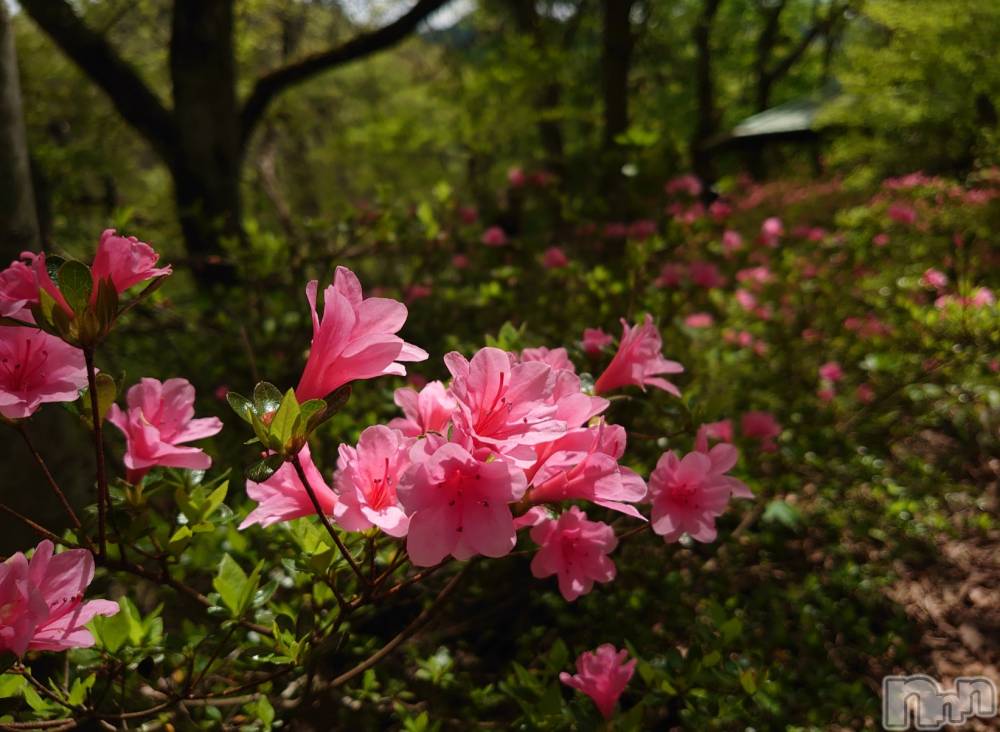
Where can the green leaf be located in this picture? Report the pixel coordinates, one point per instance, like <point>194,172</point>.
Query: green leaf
<point>748,680</point>
<point>782,513</point>
<point>78,691</point>
<point>11,685</point>
<point>180,540</point>
<point>112,631</point>
<point>231,583</point>
<point>336,401</point>
<point>76,285</point>
<point>264,469</point>
<point>266,398</point>
<point>311,415</point>
<point>241,405</point>
<point>106,305</point>
<point>107,392</point>
<point>264,712</point>
<point>283,424</point>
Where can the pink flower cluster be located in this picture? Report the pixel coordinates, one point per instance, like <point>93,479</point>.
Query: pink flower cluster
<point>41,601</point>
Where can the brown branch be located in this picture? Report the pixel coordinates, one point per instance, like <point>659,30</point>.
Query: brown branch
<point>404,634</point>
<point>38,528</point>
<point>102,476</point>
<point>274,83</point>
<point>90,50</point>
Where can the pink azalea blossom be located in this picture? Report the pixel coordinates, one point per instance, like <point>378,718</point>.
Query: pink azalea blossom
<point>615,230</point>
<point>460,261</point>
<point>516,177</point>
<point>468,214</point>
<point>557,358</point>
<point>831,371</point>
<point>18,286</point>
<point>758,276</point>
<point>865,393</point>
<point>761,426</point>
<point>771,231</point>
<point>671,275</point>
<point>575,550</point>
<point>881,240</point>
<point>554,258</point>
<point>687,494</point>
<point>41,601</point>
<point>699,320</point>
<point>418,291</point>
<point>355,339</point>
<point>282,497</point>
<point>160,417</point>
<point>427,410</point>
<point>642,229</point>
<point>37,368</point>
<point>583,465</point>
<point>687,184</point>
<point>902,213</point>
<point>934,279</point>
<point>501,406</point>
<point>366,481</point>
<point>602,675</point>
<point>826,394</point>
<point>639,361</point>
<point>125,260</point>
<point>494,237</point>
<point>595,340</point>
<point>720,210</point>
<point>732,242</point>
<point>459,505</point>
<point>705,274</point>
<point>721,431</point>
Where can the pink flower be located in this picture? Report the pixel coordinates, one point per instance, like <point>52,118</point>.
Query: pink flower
<point>642,229</point>
<point>575,550</point>
<point>731,241</point>
<point>902,213</point>
<point>494,237</point>
<point>720,210</point>
<point>583,465</point>
<point>881,240</point>
<point>418,291</point>
<point>639,361</point>
<point>831,371</point>
<point>501,406</point>
<point>826,394</point>
<point>459,505</point>
<point>554,258</point>
<point>934,279</point>
<point>41,601</point>
<point>366,481</point>
<point>981,297</point>
<point>755,276</point>
<point>356,338</point>
<point>771,231</point>
<point>468,214</point>
<point>557,358</point>
<point>160,417</point>
<point>761,426</point>
<point>125,260</point>
<point>687,184</point>
<point>595,340</point>
<point>282,497</point>
<point>721,431</point>
<point>460,261</point>
<point>687,494</point>
<point>516,177</point>
<point>602,675</point>
<point>671,275</point>
<point>865,393</point>
<point>699,320</point>
<point>37,368</point>
<point>428,410</point>
<point>705,274</point>
<point>615,230</point>
<point>18,287</point>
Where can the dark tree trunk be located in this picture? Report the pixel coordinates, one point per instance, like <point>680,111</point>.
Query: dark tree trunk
<point>706,122</point>
<point>617,61</point>
<point>18,216</point>
<point>207,160</point>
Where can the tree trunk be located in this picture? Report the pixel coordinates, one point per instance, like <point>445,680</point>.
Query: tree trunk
<point>617,60</point>
<point>18,216</point>
<point>207,160</point>
<point>706,122</point>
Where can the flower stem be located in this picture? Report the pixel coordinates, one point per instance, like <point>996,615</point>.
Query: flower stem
<point>102,478</point>
<point>326,522</point>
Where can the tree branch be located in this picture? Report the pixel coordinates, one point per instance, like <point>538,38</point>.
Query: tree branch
<point>90,51</point>
<point>274,83</point>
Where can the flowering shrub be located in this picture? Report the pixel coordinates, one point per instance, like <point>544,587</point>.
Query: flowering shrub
<point>426,552</point>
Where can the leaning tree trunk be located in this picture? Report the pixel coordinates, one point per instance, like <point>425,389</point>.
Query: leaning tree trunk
<point>18,216</point>
<point>616,62</point>
<point>706,120</point>
<point>206,160</point>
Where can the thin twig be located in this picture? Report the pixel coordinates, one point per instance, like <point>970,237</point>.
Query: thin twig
<point>102,478</point>
<point>38,528</point>
<point>326,522</point>
<point>52,482</point>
